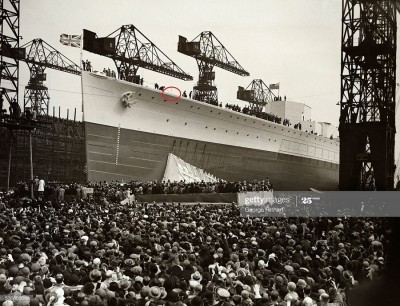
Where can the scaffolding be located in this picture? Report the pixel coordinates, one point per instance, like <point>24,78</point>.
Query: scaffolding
<point>368,89</point>
<point>58,151</point>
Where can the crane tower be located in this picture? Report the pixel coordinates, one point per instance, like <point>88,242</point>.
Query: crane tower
<point>257,94</point>
<point>368,89</point>
<point>209,52</point>
<point>130,49</point>
<point>40,56</point>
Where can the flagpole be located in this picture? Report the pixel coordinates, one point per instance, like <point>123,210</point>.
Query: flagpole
<point>81,47</point>
<point>80,65</point>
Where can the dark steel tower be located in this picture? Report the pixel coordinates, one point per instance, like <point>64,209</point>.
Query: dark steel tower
<point>10,53</point>
<point>368,84</point>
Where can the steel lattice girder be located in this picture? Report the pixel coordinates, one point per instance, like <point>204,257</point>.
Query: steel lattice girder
<point>209,53</point>
<point>37,99</point>
<point>9,57</point>
<point>367,92</point>
<point>262,94</point>
<point>134,50</point>
<point>40,56</point>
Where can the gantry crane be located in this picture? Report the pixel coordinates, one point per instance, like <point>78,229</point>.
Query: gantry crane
<point>209,52</point>
<point>39,57</point>
<point>257,94</point>
<point>368,89</point>
<point>131,49</point>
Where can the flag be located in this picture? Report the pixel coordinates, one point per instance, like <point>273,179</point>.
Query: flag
<point>71,40</point>
<point>274,86</point>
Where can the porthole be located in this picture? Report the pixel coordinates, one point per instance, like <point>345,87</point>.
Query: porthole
<point>185,123</point>
<point>167,120</point>
<point>153,98</point>
<point>140,95</point>
<point>215,129</point>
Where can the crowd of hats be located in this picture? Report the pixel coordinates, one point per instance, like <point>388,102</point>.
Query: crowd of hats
<point>106,253</point>
<point>115,190</point>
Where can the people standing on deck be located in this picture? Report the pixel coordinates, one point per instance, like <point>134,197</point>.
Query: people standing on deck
<point>14,108</point>
<point>156,86</point>
<point>141,81</point>
<point>88,66</point>
<point>190,94</point>
<point>83,65</point>
<point>184,94</point>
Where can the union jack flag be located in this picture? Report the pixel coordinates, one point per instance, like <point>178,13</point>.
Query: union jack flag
<point>274,86</point>
<point>71,40</point>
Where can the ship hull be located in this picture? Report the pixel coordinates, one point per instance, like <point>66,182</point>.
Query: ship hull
<point>133,143</point>
<point>123,155</point>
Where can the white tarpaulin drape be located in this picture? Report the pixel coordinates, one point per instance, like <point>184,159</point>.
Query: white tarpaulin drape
<point>177,170</point>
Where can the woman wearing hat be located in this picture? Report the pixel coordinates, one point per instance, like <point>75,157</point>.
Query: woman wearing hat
<point>158,294</point>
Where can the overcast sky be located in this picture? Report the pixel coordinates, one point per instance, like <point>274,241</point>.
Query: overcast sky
<point>296,43</point>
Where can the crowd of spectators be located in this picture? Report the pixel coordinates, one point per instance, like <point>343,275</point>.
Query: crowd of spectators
<point>121,191</point>
<point>101,252</point>
<point>259,114</point>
